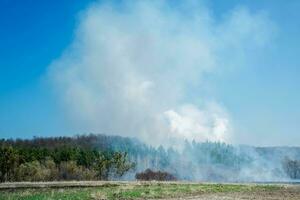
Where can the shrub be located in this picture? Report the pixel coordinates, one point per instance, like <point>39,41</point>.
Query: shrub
<point>53,172</point>
<point>32,171</point>
<point>149,175</point>
<point>71,171</point>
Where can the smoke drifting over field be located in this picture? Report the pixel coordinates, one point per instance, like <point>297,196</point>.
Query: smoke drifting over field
<point>138,69</point>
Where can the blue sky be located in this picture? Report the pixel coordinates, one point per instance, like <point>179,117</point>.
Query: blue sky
<point>262,97</point>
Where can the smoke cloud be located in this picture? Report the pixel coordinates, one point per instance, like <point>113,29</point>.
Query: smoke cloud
<point>138,68</point>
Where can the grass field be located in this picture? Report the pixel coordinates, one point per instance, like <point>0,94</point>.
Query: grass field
<point>135,190</point>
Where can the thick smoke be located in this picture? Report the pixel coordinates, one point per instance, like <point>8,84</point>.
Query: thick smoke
<point>138,68</point>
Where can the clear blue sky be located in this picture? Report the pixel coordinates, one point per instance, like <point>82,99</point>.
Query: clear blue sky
<point>263,99</point>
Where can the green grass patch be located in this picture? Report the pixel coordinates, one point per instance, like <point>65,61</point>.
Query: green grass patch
<point>128,191</point>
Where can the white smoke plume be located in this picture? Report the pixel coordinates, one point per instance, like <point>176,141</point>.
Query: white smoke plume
<point>138,68</point>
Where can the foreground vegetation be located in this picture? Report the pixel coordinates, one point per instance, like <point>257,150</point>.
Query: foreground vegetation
<point>132,191</point>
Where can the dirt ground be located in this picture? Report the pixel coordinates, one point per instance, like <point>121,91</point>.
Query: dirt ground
<point>290,192</point>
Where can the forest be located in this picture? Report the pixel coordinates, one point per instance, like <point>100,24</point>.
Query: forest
<point>63,158</point>
<point>102,157</point>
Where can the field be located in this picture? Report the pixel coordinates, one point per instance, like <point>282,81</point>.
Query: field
<point>144,190</point>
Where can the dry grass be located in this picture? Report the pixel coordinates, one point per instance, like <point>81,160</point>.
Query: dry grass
<point>99,190</point>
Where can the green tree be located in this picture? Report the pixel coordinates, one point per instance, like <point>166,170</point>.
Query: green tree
<point>121,164</point>
<point>8,163</point>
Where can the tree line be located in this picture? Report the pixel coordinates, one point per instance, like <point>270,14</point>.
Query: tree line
<point>33,160</point>
<point>102,157</point>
